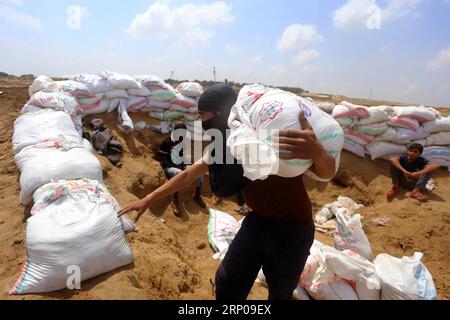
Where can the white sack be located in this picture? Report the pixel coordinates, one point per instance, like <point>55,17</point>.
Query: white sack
<point>256,117</point>
<point>42,163</point>
<point>378,149</point>
<point>190,89</point>
<point>119,81</point>
<point>33,128</point>
<point>404,279</point>
<point>42,83</point>
<point>439,125</point>
<point>74,227</point>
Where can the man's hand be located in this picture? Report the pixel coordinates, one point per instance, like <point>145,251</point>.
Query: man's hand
<point>139,206</point>
<point>303,144</point>
<point>300,144</point>
<point>408,176</point>
<point>416,175</point>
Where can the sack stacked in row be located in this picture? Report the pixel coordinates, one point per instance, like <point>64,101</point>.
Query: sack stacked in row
<point>85,94</point>
<point>345,272</point>
<point>385,131</point>
<point>69,215</point>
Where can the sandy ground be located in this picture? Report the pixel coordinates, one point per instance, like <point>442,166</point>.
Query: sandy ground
<point>172,256</point>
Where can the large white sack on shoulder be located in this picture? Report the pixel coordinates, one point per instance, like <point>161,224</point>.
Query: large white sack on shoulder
<point>74,228</point>
<point>439,139</point>
<point>253,124</point>
<point>406,135</point>
<point>421,113</point>
<point>96,108</point>
<point>350,234</point>
<point>222,228</point>
<point>143,91</point>
<point>355,148</point>
<point>404,279</point>
<point>352,267</point>
<point>376,114</point>
<point>408,123</point>
<point>190,89</point>
<point>377,149</point>
<point>116,94</point>
<point>58,101</point>
<point>42,83</point>
<point>76,89</point>
<point>42,163</point>
<point>119,81</point>
<point>35,127</point>
<point>439,125</point>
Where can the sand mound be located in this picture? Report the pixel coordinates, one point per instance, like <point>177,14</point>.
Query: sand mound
<point>172,256</point>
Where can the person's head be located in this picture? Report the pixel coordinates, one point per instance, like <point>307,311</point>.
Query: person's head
<point>179,132</point>
<point>215,105</point>
<point>414,151</point>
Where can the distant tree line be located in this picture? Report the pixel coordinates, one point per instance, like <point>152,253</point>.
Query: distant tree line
<point>4,74</point>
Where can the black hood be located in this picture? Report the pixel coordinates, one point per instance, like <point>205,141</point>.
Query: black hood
<point>218,99</point>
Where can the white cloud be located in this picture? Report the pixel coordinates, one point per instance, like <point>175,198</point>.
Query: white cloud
<point>13,16</point>
<point>352,14</point>
<point>74,16</point>
<point>441,60</point>
<point>186,22</point>
<point>410,90</point>
<point>279,71</point>
<point>357,13</point>
<point>298,36</point>
<point>309,71</point>
<point>232,49</point>
<point>305,56</point>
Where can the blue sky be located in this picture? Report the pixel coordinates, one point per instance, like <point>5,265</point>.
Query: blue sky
<point>398,49</point>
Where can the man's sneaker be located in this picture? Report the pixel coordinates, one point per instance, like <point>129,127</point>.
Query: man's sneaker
<point>416,194</point>
<point>393,193</point>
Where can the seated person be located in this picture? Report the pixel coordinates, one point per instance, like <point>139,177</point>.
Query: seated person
<point>411,172</point>
<point>170,156</point>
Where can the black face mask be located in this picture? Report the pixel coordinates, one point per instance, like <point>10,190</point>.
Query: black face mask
<point>218,122</point>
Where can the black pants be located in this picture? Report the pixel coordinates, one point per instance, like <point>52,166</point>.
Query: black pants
<point>279,247</point>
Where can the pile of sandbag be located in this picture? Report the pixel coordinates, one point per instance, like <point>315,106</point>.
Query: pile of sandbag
<point>74,221</point>
<point>383,131</point>
<point>86,94</point>
<point>344,272</point>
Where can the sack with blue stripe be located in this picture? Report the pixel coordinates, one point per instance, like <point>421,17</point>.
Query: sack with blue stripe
<point>260,112</point>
